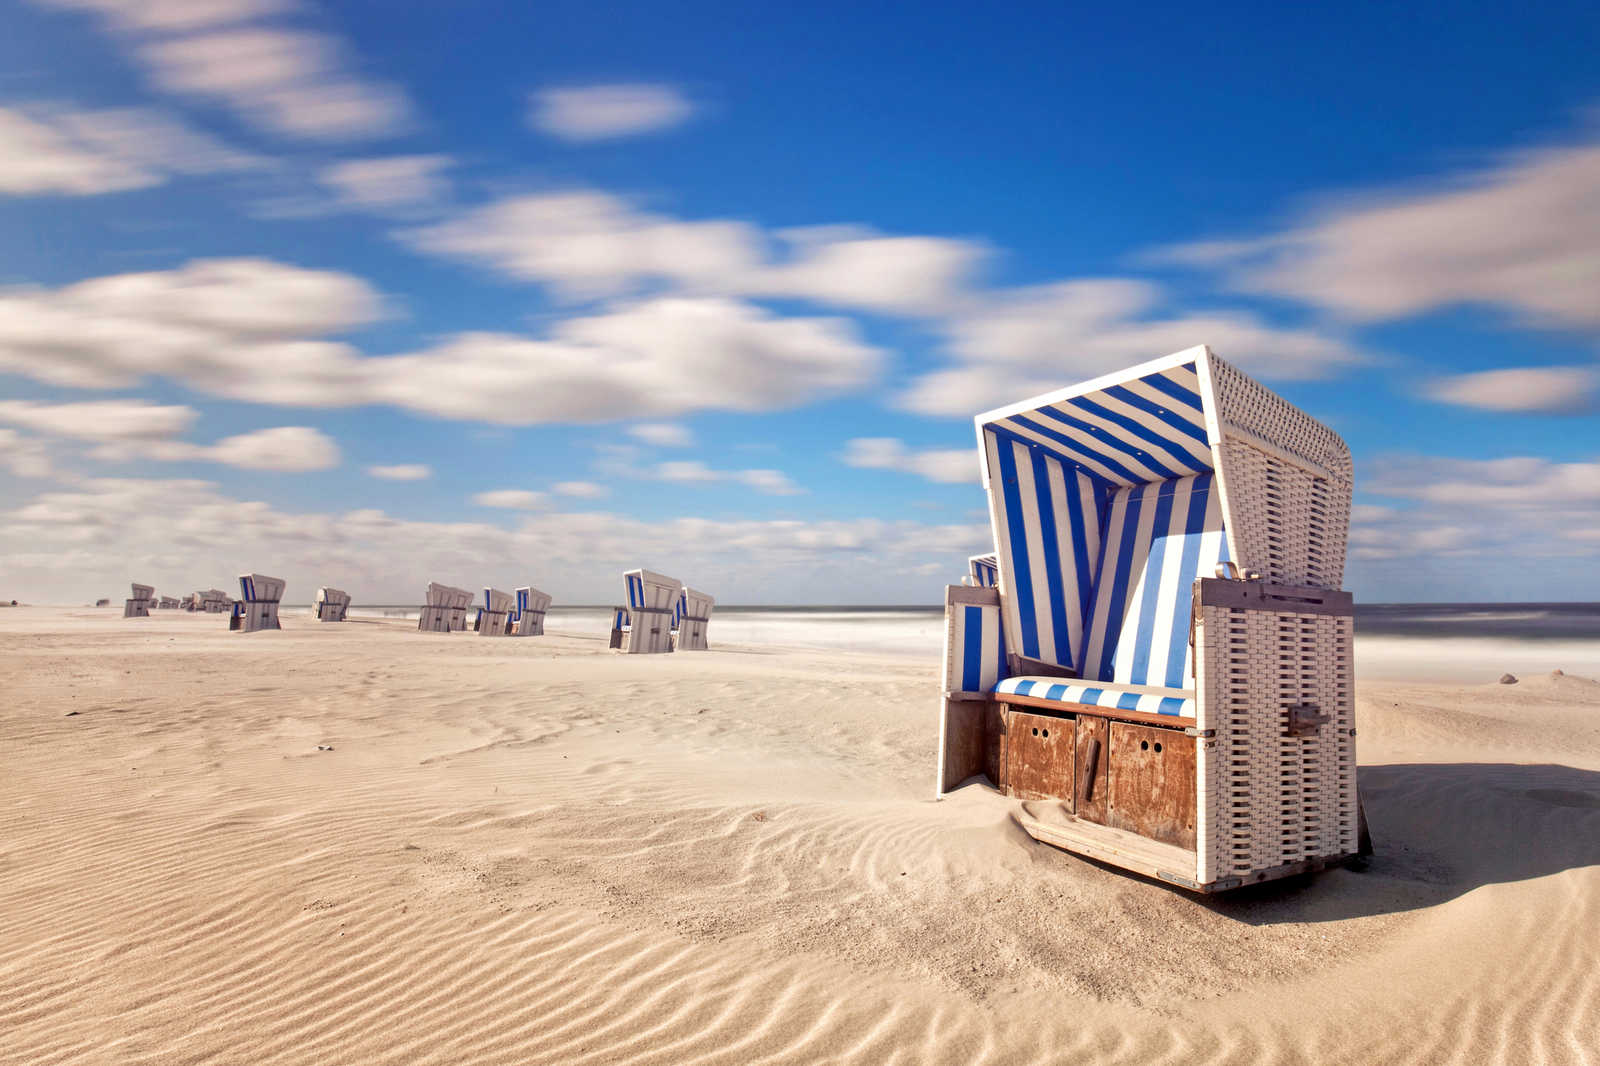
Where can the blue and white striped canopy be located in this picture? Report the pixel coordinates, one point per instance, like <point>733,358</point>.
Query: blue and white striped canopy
<point>1151,428</point>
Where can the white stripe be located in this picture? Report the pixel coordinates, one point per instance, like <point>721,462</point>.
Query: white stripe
<point>1086,458</point>
<point>1065,549</point>
<point>1138,572</point>
<point>1108,566</point>
<point>1179,443</point>
<point>1171,579</point>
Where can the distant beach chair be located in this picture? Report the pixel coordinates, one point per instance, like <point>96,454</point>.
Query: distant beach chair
<point>169,603</point>
<point>691,614</point>
<point>215,601</point>
<point>1164,670</point>
<point>984,571</point>
<point>645,624</point>
<point>529,612</point>
<point>257,608</point>
<point>444,602</point>
<point>494,617</point>
<point>139,606</point>
<point>331,605</point>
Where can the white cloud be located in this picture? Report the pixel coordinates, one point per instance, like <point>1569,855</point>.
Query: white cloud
<point>588,244</point>
<point>23,456</point>
<point>402,472</point>
<point>1542,390</point>
<point>1020,342</point>
<point>602,112</point>
<point>950,465</point>
<point>662,434</point>
<point>290,81</point>
<point>236,327</point>
<point>692,471</point>
<point>174,16</point>
<point>1497,528</point>
<point>72,544</point>
<point>585,490</point>
<point>510,499</point>
<point>388,184</point>
<point>284,449</point>
<point>85,153</point>
<point>254,330</point>
<point>1519,236</point>
<point>100,420</point>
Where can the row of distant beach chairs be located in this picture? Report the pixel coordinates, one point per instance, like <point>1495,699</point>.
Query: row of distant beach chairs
<point>661,615</point>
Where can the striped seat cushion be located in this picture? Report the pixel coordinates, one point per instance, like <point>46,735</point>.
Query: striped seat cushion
<point>1177,702</point>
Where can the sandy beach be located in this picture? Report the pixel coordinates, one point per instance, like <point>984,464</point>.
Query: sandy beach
<point>536,851</point>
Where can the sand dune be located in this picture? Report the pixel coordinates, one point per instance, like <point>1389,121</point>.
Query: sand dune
<point>536,851</point>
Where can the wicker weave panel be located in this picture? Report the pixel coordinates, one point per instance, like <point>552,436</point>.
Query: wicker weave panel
<point>1267,798</point>
<point>1288,523</point>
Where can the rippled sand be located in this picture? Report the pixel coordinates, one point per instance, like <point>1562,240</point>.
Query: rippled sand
<point>530,851</point>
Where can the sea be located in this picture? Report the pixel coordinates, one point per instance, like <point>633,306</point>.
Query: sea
<point>1394,641</point>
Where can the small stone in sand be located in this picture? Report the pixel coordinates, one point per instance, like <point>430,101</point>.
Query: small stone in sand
<point>71,713</point>
<point>1507,679</point>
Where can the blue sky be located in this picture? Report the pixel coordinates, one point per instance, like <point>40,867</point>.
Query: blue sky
<point>373,295</point>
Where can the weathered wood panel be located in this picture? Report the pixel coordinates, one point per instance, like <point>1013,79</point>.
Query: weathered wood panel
<point>1090,783</point>
<point>1039,757</point>
<point>1152,783</point>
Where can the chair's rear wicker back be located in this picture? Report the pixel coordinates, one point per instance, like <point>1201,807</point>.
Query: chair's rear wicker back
<point>1288,480</point>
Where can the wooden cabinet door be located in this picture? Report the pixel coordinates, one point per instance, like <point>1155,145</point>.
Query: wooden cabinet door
<point>1039,757</point>
<point>1152,783</point>
<point>1090,783</point>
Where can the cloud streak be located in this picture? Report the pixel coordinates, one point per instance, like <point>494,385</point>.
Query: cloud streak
<point>606,112</point>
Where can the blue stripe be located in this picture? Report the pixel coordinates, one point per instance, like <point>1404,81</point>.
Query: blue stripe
<point>1052,557</point>
<point>1185,461</point>
<point>972,650</point>
<point>1024,688</point>
<point>1194,527</point>
<point>1116,606</point>
<point>1080,555</point>
<point>1162,383</point>
<point>1099,436</point>
<point>1170,705</point>
<point>1140,673</point>
<point>1091,696</point>
<point>1128,701</point>
<point>1023,592</point>
<point>1077,445</point>
<point>1004,434</point>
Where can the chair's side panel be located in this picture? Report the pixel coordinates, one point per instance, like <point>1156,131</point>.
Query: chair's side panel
<point>1288,482</point>
<point>1272,794</point>
<point>974,662</point>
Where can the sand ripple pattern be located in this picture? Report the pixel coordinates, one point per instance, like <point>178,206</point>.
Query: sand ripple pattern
<point>536,852</point>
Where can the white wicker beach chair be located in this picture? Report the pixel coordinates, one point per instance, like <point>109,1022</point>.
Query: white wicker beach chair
<point>139,605</point>
<point>1164,670</point>
<point>257,608</point>
<point>331,605</point>
<point>984,571</point>
<point>494,616</point>
<point>691,614</point>
<point>444,603</point>
<point>215,601</point>
<point>529,612</point>
<point>645,624</point>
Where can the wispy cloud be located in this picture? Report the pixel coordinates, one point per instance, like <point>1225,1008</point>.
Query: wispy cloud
<point>583,490</point>
<point>510,499</point>
<point>1557,390</point>
<point>1017,342</point>
<point>101,420</point>
<point>256,330</point>
<point>692,471</point>
<point>290,81</point>
<point>587,244</point>
<point>1519,236</point>
<point>401,472</point>
<point>283,449</point>
<point>402,183</point>
<point>605,112</point>
<point>62,151</point>
<point>662,434</point>
<point>950,465</point>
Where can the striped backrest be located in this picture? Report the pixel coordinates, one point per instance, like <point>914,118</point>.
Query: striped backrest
<point>1158,538</point>
<point>635,590</point>
<point>985,571</point>
<point>1047,513</point>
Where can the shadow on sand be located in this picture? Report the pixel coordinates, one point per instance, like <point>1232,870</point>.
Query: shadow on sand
<point>1440,831</point>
